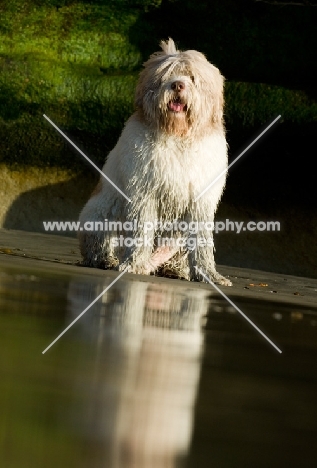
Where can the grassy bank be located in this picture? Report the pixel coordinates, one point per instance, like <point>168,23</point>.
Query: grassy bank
<point>78,63</point>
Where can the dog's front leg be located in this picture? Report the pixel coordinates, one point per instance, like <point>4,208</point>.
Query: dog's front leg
<point>139,242</point>
<point>201,260</point>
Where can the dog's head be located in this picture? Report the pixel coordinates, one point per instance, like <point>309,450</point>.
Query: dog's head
<point>180,93</point>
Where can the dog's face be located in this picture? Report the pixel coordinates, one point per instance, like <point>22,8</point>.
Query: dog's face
<point>180,93</point>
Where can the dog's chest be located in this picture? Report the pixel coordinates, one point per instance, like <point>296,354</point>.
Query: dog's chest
<point>179,165</point>
<point>160,166</point>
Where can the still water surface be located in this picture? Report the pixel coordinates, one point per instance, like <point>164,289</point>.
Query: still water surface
<point>154,375</point>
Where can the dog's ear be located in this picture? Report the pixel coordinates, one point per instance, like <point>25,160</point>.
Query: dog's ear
<point>218,98</point>
<point>217,111</point>
<point>169,47</point>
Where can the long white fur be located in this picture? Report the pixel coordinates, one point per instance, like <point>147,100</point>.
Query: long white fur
<point>163,161</point>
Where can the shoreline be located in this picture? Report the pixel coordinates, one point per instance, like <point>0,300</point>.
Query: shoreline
<point>51,255</point>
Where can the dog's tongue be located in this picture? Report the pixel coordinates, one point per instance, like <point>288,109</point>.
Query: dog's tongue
<point>176,106</point>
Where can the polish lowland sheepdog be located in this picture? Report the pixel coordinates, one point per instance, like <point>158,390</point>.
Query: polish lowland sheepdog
<point>171,149</point>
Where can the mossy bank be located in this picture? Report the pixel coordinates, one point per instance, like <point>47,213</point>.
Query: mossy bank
<point>78,62</point>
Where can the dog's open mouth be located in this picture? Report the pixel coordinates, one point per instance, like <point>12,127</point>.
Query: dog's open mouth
<point>177,106</point>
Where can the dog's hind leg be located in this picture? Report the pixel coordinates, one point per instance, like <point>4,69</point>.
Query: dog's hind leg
<point>160,256</point>
<point>146,266</point>
<point>176,266</point>
<point>96,250</point>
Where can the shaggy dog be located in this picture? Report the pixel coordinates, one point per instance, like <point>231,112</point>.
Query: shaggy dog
<point>170,150</point>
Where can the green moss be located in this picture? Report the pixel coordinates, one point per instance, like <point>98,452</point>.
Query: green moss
<point>78,62</point>
<point>250,104</point>
<point>81,74</point>
<point>79,33</point>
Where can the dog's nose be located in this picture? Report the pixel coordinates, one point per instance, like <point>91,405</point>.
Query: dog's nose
<point>178,86</point>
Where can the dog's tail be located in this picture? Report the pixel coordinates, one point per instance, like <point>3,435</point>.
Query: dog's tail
<point>169,47</point>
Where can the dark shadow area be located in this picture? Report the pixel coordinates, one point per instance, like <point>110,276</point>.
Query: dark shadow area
<point>273,181</point>
<point>54,202</point>
<point>276,172</point>
<point>38,144</point>
<point>249,41</point>
<point>12,107</point>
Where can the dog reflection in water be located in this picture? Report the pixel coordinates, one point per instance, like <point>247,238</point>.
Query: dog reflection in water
<point>147,364</point>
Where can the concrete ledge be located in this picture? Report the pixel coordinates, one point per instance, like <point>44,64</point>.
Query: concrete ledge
<point>60,255</point>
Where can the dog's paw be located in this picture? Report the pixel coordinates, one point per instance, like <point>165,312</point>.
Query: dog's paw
<point>174,273</point>
<point>223,281</point>
<point>137,269</point>
<point>125,266</point>
<point>211,276</point>
<point>217,278</point>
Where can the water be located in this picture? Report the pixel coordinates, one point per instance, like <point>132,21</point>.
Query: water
<point>154,375</point>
